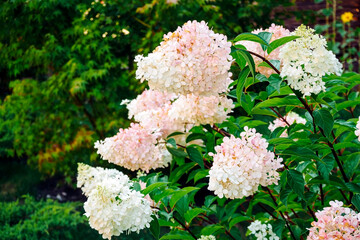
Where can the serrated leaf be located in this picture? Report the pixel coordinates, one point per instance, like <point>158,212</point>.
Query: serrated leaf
<point>267,37</point>
<point>325,166</point>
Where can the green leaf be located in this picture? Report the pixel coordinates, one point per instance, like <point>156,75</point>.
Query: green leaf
<point>195,136</point>
<point>241,82</point>
<point>176,152</point>
<point>237,220</point>
<point>279,42</point>
<point>324,119</point>
<point>325,166</point>
<point>279,102</point>
<point>179,194</point>
<point>195,155</point>
<point>356,201</point>
<point>352,163</point>
<point>267,37</point>
<point>177,235</point>
<point>192,213</point>
<point>275,81</point>
<point>201,175</point>
<point>152,187</point>
<point>155,227</point>
<point>244,55</point>
<point>296,182</point>
<point>251,37</point>
<point>209,230</point>
<point>354,187</point>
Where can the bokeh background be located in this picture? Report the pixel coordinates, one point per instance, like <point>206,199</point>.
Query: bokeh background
<point>65,66</point>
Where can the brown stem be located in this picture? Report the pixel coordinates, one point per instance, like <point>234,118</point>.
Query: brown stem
<point>265,60</point>
<point>280,116</point>
<point>222,132</point>
<point>311,213</point>
<point>271,214</point>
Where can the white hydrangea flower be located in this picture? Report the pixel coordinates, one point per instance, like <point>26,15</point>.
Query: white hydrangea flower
<point>262,231</point>
<point>357,131</point>
<point>112,206</point>
<point>209,237</point>
<point>193,59</point>
<point>291,117</point>
<point>195,109</point>
<point>306,60</point>
<point>242,164</point>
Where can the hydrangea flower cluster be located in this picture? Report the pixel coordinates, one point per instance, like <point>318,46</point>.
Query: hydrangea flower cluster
<point>306,60</point>
<point>291,118</point>
<point>193,59</point>
<point>112,206</point>
<point>197,109</point>
<point>335,222</point>
<point>357,131</point>
<point>277,32</point>
<point>209,237</point>
<point>262,231</point>
<point>242,164</point>
<point>134,148</point>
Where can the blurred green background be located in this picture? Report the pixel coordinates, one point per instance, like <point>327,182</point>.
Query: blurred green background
<point>65,66</point>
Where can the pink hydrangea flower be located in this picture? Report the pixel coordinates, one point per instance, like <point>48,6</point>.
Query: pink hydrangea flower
<point>242,164</point>
<point>135,148</point>
<point>195,109</point>
<point>193,59</point>
<point>277,32</point>
<point>335,222</point>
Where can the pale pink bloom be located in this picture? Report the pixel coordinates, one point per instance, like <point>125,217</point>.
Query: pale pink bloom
<point>147,100</point>
<point>193,59</point>
<point>135,148</point>
<point>277,32</point>
<point>357,131</point>
<point>195,109</point>
<point>291,118</point>
<point>335,222</point>
<point>242,164</point>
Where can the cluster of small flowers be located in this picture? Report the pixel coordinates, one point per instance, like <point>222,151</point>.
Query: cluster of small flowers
<point>134,148</point>
<point>306,60</point>
<point>277,32</point>
<point>335,222</point>
<point>357,131</point>
<point>209,237</point>
<point>262,231</point>
<point>193,62</point>
<point>242,164</point>
<point>197,109</point>
<point>112,206</point>
<point>291,118</point>
<point>193,59</point>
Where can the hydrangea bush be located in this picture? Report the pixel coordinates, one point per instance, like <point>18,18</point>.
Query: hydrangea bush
<point>252,138</point>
